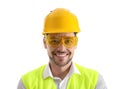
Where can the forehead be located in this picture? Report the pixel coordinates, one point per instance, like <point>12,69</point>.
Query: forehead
<point>61,34</point>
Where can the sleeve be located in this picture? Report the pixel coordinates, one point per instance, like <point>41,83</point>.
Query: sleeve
<point>100,83</point>
<point>20,85</point>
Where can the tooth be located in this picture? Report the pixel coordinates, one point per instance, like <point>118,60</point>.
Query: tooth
<point>61,54</point>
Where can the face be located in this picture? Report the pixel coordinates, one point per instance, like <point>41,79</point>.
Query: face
<point>60,48</point>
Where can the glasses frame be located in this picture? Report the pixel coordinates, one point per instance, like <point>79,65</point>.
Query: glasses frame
<point>61,40</point>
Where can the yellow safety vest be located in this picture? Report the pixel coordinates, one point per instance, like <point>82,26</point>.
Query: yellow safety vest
<point>87,79</point>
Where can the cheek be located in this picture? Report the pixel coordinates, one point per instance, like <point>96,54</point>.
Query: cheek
<point>50,49</point>
<point>72,50</point>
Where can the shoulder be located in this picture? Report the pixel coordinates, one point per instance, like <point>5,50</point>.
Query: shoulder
<point>33,73</point>
<point>32,77</point>
<point>101,83</point>
<point>87,72</point>
<point>84,69</point>
<point>87,76</point>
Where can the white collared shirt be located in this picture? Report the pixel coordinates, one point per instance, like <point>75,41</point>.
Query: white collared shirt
<point>61,84</point>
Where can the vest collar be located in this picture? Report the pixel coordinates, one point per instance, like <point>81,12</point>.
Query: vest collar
<point>47,71</point>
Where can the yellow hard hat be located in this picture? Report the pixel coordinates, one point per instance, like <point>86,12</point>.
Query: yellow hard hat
<point>60,20</point>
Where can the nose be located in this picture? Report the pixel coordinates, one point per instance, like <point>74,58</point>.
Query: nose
<point>61,47</point>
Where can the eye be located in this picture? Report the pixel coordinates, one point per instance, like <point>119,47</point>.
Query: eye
<point>54,41</point>
<point>68,41</point>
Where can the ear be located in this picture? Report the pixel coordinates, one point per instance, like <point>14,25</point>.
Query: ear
<point>44,42</point>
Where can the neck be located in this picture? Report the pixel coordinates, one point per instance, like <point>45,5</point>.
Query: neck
<point>60,72</point>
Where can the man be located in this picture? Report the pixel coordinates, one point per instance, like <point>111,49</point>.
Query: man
<point>60,40</point>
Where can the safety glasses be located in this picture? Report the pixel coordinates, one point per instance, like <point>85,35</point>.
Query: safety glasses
<point>67,41</point>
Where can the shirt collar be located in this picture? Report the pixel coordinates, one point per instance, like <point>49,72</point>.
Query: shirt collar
<point>47,71</point>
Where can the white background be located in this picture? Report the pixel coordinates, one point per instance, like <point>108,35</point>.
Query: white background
<point>21,48</point>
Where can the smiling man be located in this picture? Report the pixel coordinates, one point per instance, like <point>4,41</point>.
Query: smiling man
<point>60,40</point>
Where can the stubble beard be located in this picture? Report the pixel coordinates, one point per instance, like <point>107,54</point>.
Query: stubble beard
<point>60,65</point>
